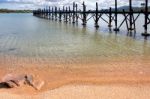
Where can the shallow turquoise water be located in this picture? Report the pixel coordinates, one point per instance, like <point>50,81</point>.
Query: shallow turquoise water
<point>24,35</point>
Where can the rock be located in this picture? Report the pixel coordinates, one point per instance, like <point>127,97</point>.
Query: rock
<point>8,77</point>
<point>34,83</point>
<point>14,80</point>
<point>10,84</point>
<point>38,85</point>
<point>20,80</point>
<point>29,79</point>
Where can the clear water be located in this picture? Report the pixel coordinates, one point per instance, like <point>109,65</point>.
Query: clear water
<point>23,35</point>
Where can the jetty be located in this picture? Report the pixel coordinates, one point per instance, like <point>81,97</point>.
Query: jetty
<point>130,16</point>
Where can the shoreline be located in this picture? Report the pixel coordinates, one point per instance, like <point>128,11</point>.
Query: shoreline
<point>93,76</point>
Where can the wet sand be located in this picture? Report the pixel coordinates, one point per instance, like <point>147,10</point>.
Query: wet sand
<point>125,78</point>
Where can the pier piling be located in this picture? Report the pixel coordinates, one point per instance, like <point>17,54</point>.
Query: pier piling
<point>145,34</point>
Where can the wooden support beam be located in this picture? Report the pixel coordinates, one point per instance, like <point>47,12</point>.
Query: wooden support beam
<point>49,12</point>
<point>116,17</point>
<point>131,17</point>
<point>76,13</point>
<point>44,13</point>
<point>73,17</point>
<point>55,13</point>
<point>96,16</point>
<point>110,17</point>
<point>146,19</point>
<point>66,15</point>
<point>84,14</point>
<point>60,15</point>
<point>52,13</point>
<point>69,13</point>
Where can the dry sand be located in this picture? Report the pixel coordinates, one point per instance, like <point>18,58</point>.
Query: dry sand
<point>115,79</point>
<point>89,92</point>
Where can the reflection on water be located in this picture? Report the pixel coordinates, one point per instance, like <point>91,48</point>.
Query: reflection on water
<point>23,35</point>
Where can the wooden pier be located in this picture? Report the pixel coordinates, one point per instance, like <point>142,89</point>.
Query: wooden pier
<point>73,15</point>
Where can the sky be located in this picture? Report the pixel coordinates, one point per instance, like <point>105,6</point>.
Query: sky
<point>35,4</point>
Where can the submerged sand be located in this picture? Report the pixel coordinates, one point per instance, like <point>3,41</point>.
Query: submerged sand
<point>127,78</point>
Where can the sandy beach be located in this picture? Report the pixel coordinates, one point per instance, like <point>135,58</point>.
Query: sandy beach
<point>89,92</point>
<point>73,62</point>
<point>122,79</point>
